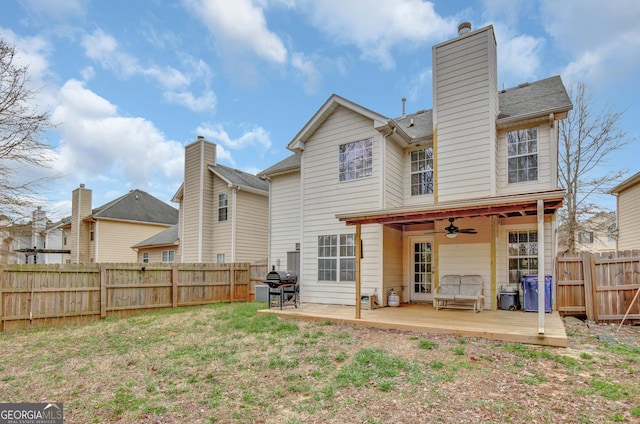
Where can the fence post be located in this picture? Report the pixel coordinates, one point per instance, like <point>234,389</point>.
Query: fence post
<point>588,286</point>
<point>103,291</point>
<point>174,285</point>
<point>232,283</point>
<point>2,322</point>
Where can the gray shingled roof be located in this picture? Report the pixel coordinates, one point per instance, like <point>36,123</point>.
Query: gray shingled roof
<point>286,164</point>
<point>534,99</point>
<point>138,206</point>
<point>163,238</point>
<point>239,178</point>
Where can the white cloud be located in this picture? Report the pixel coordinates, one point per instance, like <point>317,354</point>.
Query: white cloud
<point>207,101</point>
<point>377,30</point>
<point>31,52</point>
<point>602,42</point>
<point>240,25</point>
<point>519,56</point>
<point>257,136</point>
<point>103,48</point>
<point>307,71</point>
<point>97,143</point>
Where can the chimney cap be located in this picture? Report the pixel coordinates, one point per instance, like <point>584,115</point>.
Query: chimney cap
<point>464,28</point>
<point>200,137</point>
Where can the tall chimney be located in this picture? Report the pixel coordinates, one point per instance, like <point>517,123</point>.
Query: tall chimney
<point>464,28</point>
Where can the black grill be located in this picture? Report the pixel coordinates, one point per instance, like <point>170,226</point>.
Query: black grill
<point>276,279</point>
<point>283,288</point>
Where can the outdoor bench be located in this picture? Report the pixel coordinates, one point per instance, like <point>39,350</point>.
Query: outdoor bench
<point>459,291</point>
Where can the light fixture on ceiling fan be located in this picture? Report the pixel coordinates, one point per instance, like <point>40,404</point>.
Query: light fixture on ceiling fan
<point>451,231</point>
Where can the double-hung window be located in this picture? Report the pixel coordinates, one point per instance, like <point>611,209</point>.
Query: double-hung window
<point>356,160</point>
<point>523,254</point>
<point>337,257</point>
<point>422,171</point>
<point>522,155</point>
<point>223,203</point>
<point>167,255</point>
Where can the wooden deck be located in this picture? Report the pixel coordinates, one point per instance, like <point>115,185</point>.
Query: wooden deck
<point>507,326</point>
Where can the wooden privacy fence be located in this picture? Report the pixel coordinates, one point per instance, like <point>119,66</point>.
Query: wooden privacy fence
<point>602,287</point>
<point>44,295</point>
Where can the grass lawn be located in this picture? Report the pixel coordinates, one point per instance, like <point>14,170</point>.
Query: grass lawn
<point>224,363</point>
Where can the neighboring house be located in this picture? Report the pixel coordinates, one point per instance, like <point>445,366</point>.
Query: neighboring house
<point>628,212</point>
<point>598,234</point>
<point>36,242</point>
<point>106,233</point>
<point>161,247</point>
<point>223,211</point>
<point>484,157</point>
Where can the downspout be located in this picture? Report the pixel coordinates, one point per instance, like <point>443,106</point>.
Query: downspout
<point>95,242</point>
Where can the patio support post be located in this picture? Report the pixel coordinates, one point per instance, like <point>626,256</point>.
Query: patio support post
<point>493,219</point>
<point>358,257</point>
<point>541,275</point>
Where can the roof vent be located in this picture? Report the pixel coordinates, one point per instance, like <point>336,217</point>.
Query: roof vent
<point>404,101</point>
<point>464,28</point>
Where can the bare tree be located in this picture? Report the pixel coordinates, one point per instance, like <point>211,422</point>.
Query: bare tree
<point>21,128</point>
<point>586,138</point>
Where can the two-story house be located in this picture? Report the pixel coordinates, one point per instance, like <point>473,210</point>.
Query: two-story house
<point>223,212</point>
<point>628,213</point>
<point>107,233</point>
<point>469,187</point>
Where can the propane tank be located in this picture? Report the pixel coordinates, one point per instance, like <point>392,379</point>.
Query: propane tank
<point>394,299</point>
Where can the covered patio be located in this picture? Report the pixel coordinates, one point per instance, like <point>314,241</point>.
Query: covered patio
<point>506,326</point>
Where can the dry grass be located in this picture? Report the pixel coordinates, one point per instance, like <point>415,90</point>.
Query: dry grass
<point>224,363</point>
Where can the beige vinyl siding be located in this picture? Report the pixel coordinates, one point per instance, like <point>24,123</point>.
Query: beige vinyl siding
<point>252,213</point>
<point>325,196</point>
<point>392,265</point>
<point>220,232</point>
<point>197,201</point>
<point>115,238</point>
<point>629,218</point>
<point>545,176</point>
<point>467,259</point>
<point>394,176</point>
<point>79,234</point>
<point>284,217</point>
<point>155,253</point>
<point>409,200</point>
<point>464,113</point>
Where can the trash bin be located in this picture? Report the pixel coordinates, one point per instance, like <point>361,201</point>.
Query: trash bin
<point>509,300</point>
<point>530,293</point>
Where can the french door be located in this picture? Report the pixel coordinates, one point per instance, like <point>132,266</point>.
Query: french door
<point>421,274</point>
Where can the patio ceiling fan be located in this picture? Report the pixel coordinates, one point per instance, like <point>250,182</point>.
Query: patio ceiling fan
<point>452,231</point>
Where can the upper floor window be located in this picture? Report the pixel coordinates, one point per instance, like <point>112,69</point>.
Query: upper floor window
<point>220,258</point>
<point>356,160</point>
<point>586,237</point>
<point>223,202</point>
<point>92,231</point>
<point>422,171</point>
<point>145,257</point>
<point>522,155</point>
<point>167,255</point>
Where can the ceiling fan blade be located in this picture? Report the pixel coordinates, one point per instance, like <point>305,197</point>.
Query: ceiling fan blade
<point>467,231</point>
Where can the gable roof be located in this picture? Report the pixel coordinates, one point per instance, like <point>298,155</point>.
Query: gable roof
<point>628,183</point>
<point>163,238</point>
<point>287,164</point>
<point>140,206</point>
<point>241,179</point>
<point>332,103</point>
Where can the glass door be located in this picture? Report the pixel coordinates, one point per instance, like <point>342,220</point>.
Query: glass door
<point>421,269</point>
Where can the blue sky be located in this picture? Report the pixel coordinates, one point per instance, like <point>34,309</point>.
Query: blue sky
<point>130,83</point>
